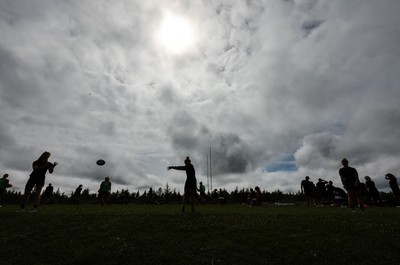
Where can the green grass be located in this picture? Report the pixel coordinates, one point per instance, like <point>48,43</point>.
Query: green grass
<point>215,234</point>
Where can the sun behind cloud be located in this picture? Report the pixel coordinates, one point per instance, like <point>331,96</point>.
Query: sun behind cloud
<point>176,34</point>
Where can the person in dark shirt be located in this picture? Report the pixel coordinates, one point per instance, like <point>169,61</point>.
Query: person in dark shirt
<point>330,192</point>
<point>258,196</point>
<point>37,178</point>
<point>105,191</point>
<point>350,181</point>
<point>373,191</point>
<point>77,195</point>
<point>4,185</point>
<point>48,192</point>
<point>202,190</point>
<point>394,186</point>
<point>322,190</point>
<point>190,183</point>
<point>307,188</point>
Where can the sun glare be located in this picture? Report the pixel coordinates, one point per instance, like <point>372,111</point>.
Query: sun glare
<point>175,34</point>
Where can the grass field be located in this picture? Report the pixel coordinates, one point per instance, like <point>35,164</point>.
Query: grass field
<point>214,234</point>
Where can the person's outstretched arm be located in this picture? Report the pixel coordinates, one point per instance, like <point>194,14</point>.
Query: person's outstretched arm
<point>177,167</point>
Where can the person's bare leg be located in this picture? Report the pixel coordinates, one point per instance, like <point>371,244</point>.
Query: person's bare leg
<point>36,200</point>
<point>25,197</point>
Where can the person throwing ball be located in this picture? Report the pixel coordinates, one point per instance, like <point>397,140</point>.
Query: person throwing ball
<point>190,183</point>
<point>37,178</point>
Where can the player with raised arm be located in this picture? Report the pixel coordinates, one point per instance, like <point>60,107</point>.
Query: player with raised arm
<point>37,179</point>
<point>190,183</point>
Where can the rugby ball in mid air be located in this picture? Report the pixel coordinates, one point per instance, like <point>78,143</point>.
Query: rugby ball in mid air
<point>100,162</point>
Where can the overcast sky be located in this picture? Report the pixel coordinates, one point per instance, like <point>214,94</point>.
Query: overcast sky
<point>278,90</point>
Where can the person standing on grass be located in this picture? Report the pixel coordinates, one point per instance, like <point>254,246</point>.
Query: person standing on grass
<point>394,186</point>
<point>77,195</point>
<point>322,190</point>
<point>350,181</point>
<point>330,192</point>
<point>190,183</point>
<point>202,190</point>
<point>105,191</point>
<point>48,193</point>
<point>307,188</point>
<point>4,184</point>
<point>373,191</point>
<point>37,178</point>
<point>258,196</point>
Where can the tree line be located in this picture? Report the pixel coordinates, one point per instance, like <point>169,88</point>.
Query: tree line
<point>167,195</point>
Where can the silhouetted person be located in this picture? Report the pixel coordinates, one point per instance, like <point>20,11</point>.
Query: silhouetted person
<point>307,188</point>
<point>257,200</point>
<point>190,183</point>
<point>322,190</point>
<point>77,194</point>
<point>105,191</point>
<point>330,192</point>
<point>351,183</point>
<point>37,179</point>
<point>48,192</point>
<point>214,196</point>
<point>394,186</point>
<point>373,191</point>
<point>202,190</point>
<point>221,198</point>
<point>4,184</point>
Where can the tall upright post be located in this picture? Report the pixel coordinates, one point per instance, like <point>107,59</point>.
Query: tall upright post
<point>210,170</point>
<point>208,183</point>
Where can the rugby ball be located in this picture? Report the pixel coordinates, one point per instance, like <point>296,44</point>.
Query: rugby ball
<point>100,162</point>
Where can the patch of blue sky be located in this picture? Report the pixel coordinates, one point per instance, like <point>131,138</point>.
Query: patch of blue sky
<point>285,164</point>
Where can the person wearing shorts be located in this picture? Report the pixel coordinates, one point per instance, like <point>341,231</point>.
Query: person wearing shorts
<point>36,180</point>
<point>351,183</point>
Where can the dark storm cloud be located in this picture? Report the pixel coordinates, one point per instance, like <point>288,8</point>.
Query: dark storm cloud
<point>309,26</point>
<point>231,155</point>
<point>184,131</point>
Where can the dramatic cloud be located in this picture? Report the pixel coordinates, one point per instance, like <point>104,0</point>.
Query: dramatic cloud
<point>277,89</point>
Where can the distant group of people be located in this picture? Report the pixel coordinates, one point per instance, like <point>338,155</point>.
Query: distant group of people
<point>324,192</point>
